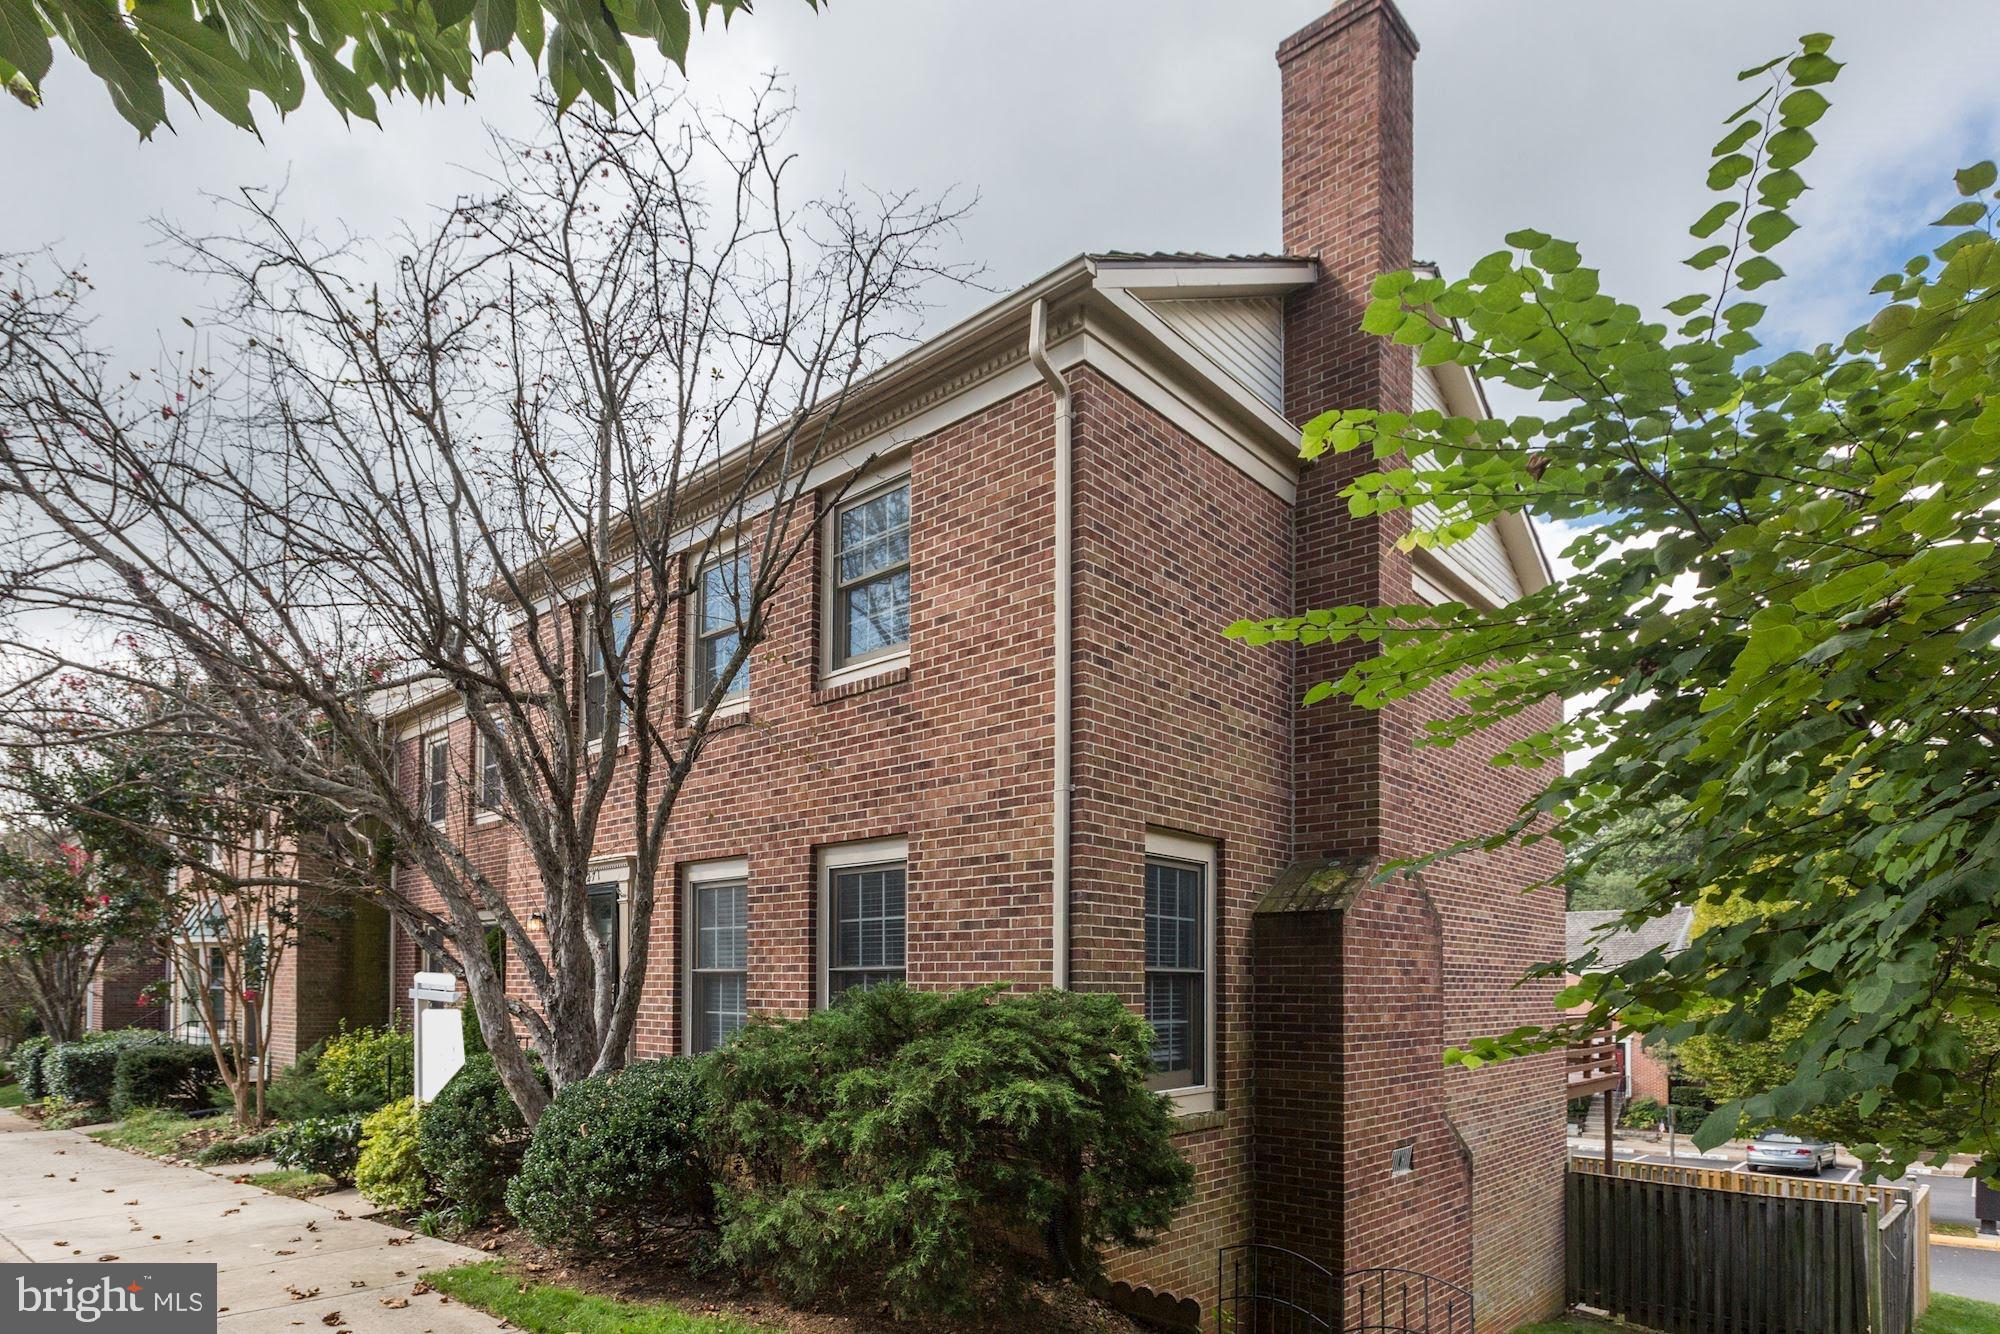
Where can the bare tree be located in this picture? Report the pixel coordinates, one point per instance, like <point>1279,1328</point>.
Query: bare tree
<point>490,462</point>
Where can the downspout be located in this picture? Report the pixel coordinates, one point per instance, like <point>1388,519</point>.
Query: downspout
<point>1059,792</point>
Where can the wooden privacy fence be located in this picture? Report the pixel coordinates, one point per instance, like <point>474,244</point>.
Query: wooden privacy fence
<point>1918,1200</point>
<point>1703,1260</point>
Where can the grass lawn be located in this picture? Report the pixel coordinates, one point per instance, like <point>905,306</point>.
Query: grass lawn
<point>1948,1315</point>
<point>150,1131</point>
<point>544,1308</point>
<point>293,1181</point>
<point>10,1095</point>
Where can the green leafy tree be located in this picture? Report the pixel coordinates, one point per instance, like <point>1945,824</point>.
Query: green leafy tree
<point>1785,613</point>
<point>1611,864</point>
<point>220,54</point>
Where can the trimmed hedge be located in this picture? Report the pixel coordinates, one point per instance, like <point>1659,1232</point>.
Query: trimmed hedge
<point>165,1074</point>
<point>908,1144</point>
<point>388,1172</point>
<point>325,1144</point>
<point>616,1159</point>
<point>82,1072</point>
<point>472,1138</point>
<point>28,1056</point>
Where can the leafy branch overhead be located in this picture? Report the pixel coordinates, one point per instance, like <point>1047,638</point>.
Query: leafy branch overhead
<point>1784,613</point>
<point>220,54</point>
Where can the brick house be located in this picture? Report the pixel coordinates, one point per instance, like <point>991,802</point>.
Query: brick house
<point>1647,1071</point>
<point>888,798</point>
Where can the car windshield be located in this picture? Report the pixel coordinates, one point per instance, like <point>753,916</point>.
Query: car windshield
<point>1773,1137</point>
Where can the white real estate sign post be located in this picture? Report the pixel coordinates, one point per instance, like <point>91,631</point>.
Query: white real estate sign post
<point>440,1033</point>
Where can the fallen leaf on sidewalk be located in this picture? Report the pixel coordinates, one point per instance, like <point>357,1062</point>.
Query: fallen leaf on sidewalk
<point>332,1318</point>
<point>106,1259</point>
<point>395,1303</point>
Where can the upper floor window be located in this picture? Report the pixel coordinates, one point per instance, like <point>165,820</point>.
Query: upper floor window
<point>437,776</point>
<point>871,575</point>
<point>1179,908</point>
<point>492,788</point>
<point>722,604</point>
<point>599,700</point>
<point>866,912</point>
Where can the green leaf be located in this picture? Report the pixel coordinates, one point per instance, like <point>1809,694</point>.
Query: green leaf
<point>1788,148</point>
<point>1729,170</point>
<point>1492,268</point>
<point>1965,213</point>
<point>1815,67</point>
<point>1527,238</point>
<point>1802,107</point>
<point>1688,304</point>
<point>1768,229</point>
<point>1707,258</point>
<point>1744,132</point>
<point>1709,222</point>
<point>1754,272</point>
<point>1382,316</point>
<point>1779,188</point>
<point>493,24</point>
<point>24,42</point>
<point>1980,176</point>
<point>97,32</point>
<point>195,58</point>
<point>1743,315</point>
<point>1555,256</point>
<point>1755,70</point>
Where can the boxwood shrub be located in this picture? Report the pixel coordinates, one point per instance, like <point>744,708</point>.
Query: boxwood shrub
<point>615,1160</point>
<point>910,1144</point>
<point>472,1138</point>
<point>388,1172</point>
<point>161,1074</point>
<point>82,1071</point>
<point>27,1064</point>
<point>327,1144</point>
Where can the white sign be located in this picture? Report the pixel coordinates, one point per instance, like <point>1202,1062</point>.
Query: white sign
<point>435,987</point>
<point>440,1050</point>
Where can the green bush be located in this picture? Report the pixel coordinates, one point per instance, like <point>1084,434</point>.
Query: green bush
<point>82,1072</point>
<point>27,1065</point>
<point>327,1144</point>
<point>388,1172</point>
<point>177,1075</point>
<point>472,1138</point>
<point>243,1148</point>
<point>1642,1114</point>
<point>366,1068</point>
<point>907,1144</point>
<point>616,1158</point>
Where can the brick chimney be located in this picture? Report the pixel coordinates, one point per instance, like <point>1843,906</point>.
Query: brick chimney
<point>1347,201</point>
<point>1348,973</point>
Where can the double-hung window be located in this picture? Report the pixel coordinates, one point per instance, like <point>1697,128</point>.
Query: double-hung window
<point>492,789</point>
<point>600,700</point>
<point>722,604</point>
<point>437,776</point>
<point>866,910</point>
<point>870,576</point>
<point>718,952</point>
<point>1179,1003</point>
<point>602,899</point>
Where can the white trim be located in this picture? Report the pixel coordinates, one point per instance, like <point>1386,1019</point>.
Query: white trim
<point>724,870</point>
<point>866,488</point>
<point>1165,845</point>
<point>1157,280</point>
<point>836,856</point>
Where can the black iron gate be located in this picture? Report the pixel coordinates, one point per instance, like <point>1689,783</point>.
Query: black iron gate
<point>1270,1290</point>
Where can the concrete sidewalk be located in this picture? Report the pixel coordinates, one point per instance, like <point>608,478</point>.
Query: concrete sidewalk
<point>283,1264</point>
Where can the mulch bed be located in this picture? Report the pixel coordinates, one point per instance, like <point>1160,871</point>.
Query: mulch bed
<point>1061,1308</point>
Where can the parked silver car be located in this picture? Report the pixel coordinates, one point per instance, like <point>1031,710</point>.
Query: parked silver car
<point>1775,1151</point>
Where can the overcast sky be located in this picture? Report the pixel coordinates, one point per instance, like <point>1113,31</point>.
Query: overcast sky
<point>1138,124</point>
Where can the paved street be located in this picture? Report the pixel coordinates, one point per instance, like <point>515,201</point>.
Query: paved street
<point>1966,1272</point>
<point>284,1264</point>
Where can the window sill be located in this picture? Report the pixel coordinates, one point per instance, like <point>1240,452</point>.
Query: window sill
<point>1191,1102</point>
<point>874,676</point>
<point>723,720</point>
<point>485,818</point>
<point>1194,1123</point>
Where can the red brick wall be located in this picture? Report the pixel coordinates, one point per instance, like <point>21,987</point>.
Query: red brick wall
<point>126,971</point>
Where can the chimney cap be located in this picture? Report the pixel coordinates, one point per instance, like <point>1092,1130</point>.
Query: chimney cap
<point>1342,16</point>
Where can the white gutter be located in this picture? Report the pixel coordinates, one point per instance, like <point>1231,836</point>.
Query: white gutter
<point>1059,787</point>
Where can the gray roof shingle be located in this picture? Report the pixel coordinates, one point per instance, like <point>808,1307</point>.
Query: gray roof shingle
<point>1584,931</point>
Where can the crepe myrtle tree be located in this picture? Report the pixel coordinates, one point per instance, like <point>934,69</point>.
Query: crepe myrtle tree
<point>490,466</point>
<point>219,54</point>
<point>170,842</point>
<point>1783,613</point>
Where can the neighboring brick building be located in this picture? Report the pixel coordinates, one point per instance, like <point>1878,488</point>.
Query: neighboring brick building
<point>1222,840</point>
<point>122,994</point>
<point>1648,1074</point>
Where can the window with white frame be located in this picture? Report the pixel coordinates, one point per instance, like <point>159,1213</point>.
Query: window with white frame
<point>599,700</point>
<point>1179,998</point>
<point>604,894</point>
<point>722,605</point>
<point>718,952</point>
<point>492,788</point>
<point>864,909</point>
<point>437,776</point>
<point>869,576</point>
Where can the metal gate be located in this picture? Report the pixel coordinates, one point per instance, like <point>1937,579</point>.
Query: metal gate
<point>1270,1290</point>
